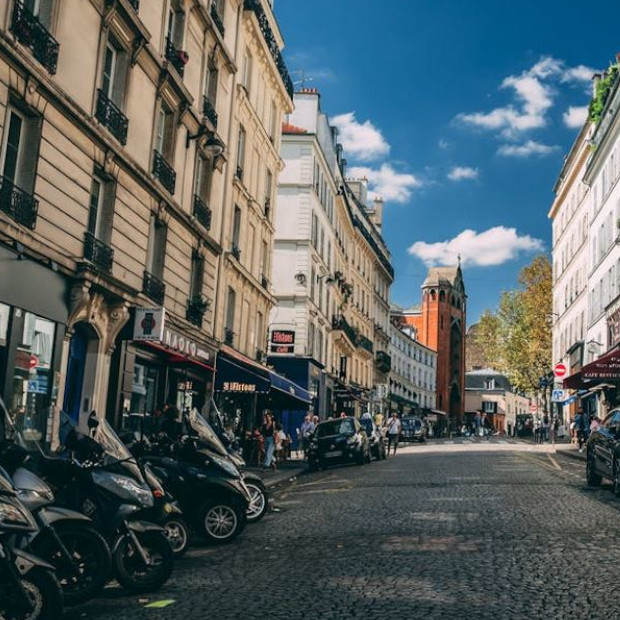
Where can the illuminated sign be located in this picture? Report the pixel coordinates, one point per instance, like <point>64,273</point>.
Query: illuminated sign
<point>282,341</point>
<point>235,386</point>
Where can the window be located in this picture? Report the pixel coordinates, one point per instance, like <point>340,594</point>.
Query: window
<point>204,178</point>
<point>489,407</point>
<point>101,210</point>
<point>231,300</point>
<point>260,333</point>
<point>246,78</point>
<point>264,260</point>
<point>114,73</point>
<point>211,83</point>
<point>489,384</point>
<point>197,275</point>
<point>236,231</point>
<point>157,248</point>
<point>315,230</point>
<point>176,18</point>
<point>240,153</point>
<point>268,190</point>
<point>164,135</point>
<point>22,135</point>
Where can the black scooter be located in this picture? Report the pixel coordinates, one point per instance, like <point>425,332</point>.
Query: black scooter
<point>29,589</point>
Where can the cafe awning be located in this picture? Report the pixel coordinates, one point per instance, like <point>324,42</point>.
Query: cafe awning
<point>278,382</point>
<point>605,368</point>
<point>238,378</point>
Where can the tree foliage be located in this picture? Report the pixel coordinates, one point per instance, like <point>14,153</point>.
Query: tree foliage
<point>516,338</point>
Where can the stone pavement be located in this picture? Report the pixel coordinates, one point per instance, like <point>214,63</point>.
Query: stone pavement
<point>463,532</point>
<point>287,472</point>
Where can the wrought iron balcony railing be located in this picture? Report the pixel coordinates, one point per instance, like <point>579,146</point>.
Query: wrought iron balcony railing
<point>202,212</point>
<point>229,336</point>
<point>154,288</point>
<point>235,251</point>
<point>340,323</point>
<point>365,343</point>
<point>177,58</point>
<point>217,19</point>
<point>109,115</point>
<point>31,32</point>
<point>98,253</point>
<point>264,281</point>
<point>208,110</point>
<point>383,361</point>
<point>196,308</point>
<point>263,21</point>
<point>164,172</point>
<point>17,204</point>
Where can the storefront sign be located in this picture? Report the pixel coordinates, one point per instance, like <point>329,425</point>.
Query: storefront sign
<point>282,341</point>
<point>234,386</point>
<point>149,324</point>
<point>183,345</point>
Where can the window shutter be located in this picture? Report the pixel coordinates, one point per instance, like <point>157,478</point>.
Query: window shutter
<point>212,85</point>
<point>106,215</point>
<point>45,12</point>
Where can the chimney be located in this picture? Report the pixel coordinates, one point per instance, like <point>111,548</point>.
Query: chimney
<point>377,217</point>
<point>596,78</point>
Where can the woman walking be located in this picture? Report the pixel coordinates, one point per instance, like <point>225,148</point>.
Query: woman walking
<point>267,430</point>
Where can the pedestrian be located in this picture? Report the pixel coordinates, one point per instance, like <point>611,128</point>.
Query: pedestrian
<point>545,428</point>
<point>343,414</point>
<point>279,438</point>
<point>305,432</point>
<point>581,427</point>
<point>554,428</point>
<point>379,419</point>
<point>537,430</point>
<point>268,430</point>
<point>393,432</point>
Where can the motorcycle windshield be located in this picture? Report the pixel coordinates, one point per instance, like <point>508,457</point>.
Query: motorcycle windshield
<point>12,433</point>
<point>107,438</point>
<point>205,432</point>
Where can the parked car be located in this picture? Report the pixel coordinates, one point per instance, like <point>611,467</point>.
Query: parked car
<point>412,429</point>
<point>338,441</point>
<point>603,452</point>
<point>376,438</point>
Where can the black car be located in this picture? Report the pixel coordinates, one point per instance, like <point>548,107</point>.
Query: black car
<point>603,452</point>
<point>338,441</point>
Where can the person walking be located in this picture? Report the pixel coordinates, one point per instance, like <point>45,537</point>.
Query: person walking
<point>393,432</point>
<point>268,430</point>
<point>306,430</point>
<point>582,424</point>
<point>545,428</point>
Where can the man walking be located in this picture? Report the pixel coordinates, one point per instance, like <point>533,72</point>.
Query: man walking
<point>307,428</point>
<point>393,430</point>
<point>581,427</point>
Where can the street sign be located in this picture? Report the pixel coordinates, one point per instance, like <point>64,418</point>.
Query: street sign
<point>557,396</point>
<point>559,370</point>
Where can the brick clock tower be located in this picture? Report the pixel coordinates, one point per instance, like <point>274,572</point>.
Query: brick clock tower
<point>440,324</point>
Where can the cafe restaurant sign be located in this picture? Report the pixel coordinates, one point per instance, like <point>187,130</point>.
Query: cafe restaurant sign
<point>150,326</point>
<point>282,341</point>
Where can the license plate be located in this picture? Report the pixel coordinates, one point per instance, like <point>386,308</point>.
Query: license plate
<point>333,453</point>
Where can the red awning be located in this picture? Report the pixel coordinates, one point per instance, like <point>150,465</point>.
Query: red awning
<point>177,358</point>
<point>605,368</point>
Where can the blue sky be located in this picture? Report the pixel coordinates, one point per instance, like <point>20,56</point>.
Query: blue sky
<point>460,114</point>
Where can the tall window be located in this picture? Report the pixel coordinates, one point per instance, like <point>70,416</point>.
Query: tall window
<point>231,300</point>
<point>176,18</point>
<point>211,83</point>
<point>157,248</point>
<point>236,231</point>
<point>251,247</point>
<point>273,125</point>
<point>22,135</point>
<point>240,152</point>
<point>114,72</point>
<point>164,135</point>
<point>260,331</point>
<point>42,9</point>
<point>204,178</point>
<point>246,79</point>
<point>101,209</point>
<point>264,260</point>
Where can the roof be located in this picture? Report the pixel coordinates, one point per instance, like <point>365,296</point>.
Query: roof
<point>441,275</point>
<point>288,128</point>
<point>485,372</point>
<point>476,380</point>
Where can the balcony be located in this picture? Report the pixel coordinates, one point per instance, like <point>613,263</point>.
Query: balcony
<point>17,204</point>
<point>229,336</point>
<point>98,253</point>
<point>217,20</point>
<point>196,308</point>
<point>263,21</point>
<point>383,362</point>
<point>208,109</point>
<point>202,212</point>
<point>110,116</point>
<point>154,288</point>
<point>235,251</point>
<point>264,282</point>
<point>177,58</point>
<point>365,343</point>
<point>164,172</point>
<point>135,4</point>
<point>340,323</point>
<point>30,32</point>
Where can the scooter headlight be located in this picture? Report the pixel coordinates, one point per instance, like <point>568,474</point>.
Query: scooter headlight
<point>125,487</point>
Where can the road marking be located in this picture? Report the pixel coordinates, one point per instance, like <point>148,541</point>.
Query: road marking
<point>555,463</point>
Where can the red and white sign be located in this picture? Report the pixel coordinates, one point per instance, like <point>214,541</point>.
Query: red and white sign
<point>559,370</point>
<point>533,408</point>
<point>33,362</point>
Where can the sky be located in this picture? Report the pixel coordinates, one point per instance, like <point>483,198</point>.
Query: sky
<point>459,114</point>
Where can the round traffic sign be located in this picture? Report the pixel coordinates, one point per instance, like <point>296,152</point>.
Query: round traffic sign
<point>559,370</point>
<point>33,362</point>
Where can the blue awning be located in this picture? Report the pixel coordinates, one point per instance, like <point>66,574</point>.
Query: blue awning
<point>238,378</point>
<point>278,382</point>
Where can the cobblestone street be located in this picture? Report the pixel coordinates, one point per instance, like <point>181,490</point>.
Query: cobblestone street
<point>453,533</point>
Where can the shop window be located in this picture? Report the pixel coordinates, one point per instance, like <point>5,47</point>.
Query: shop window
<point>5,312</point>
<point>33,376</point>
<point>144,388</point>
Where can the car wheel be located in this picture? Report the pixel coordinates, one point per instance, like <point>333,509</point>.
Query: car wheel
<point>592,478</point>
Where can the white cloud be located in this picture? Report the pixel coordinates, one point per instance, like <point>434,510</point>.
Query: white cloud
<point>386,182</point>
<point>533,92</point>
<point>491,247</point>
<point>575,116</point>
<point>461,173</point>
<point>531,147</point>
<point>444,144</point>
<point>361,140</point>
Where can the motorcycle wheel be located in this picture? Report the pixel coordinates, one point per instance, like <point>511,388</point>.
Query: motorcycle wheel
<point>221,521</point>
<point>177,533</point>
<point>129,568</point>
<point>44,593</point>
<point>259,503</point>
<point>91,556</point>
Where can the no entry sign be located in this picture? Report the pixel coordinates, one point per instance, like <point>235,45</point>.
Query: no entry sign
<point>559,370</point>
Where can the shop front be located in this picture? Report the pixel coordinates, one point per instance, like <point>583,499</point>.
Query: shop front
<point>33,318</point>
<point>157,363</point>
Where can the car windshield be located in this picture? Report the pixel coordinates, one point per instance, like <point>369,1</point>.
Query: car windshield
<point>336,427</point>
<point>205,432</point>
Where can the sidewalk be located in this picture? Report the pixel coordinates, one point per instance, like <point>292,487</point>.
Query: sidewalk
<point>287,472</point>
<point>572,451</point>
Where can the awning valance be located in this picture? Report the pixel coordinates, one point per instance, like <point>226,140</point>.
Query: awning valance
<point>238,378</point>
<point>605,368</point>
<point>278,382</point>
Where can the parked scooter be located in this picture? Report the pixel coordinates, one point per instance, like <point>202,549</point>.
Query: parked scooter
<point>29,589</point>
<point>103,480</point>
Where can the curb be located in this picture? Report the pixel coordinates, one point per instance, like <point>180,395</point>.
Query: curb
<point>285,481</point>
<point>573,454</point>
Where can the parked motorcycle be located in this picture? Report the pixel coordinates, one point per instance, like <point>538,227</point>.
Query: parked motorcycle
<point>100,478</point>
<point>29,589</point>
